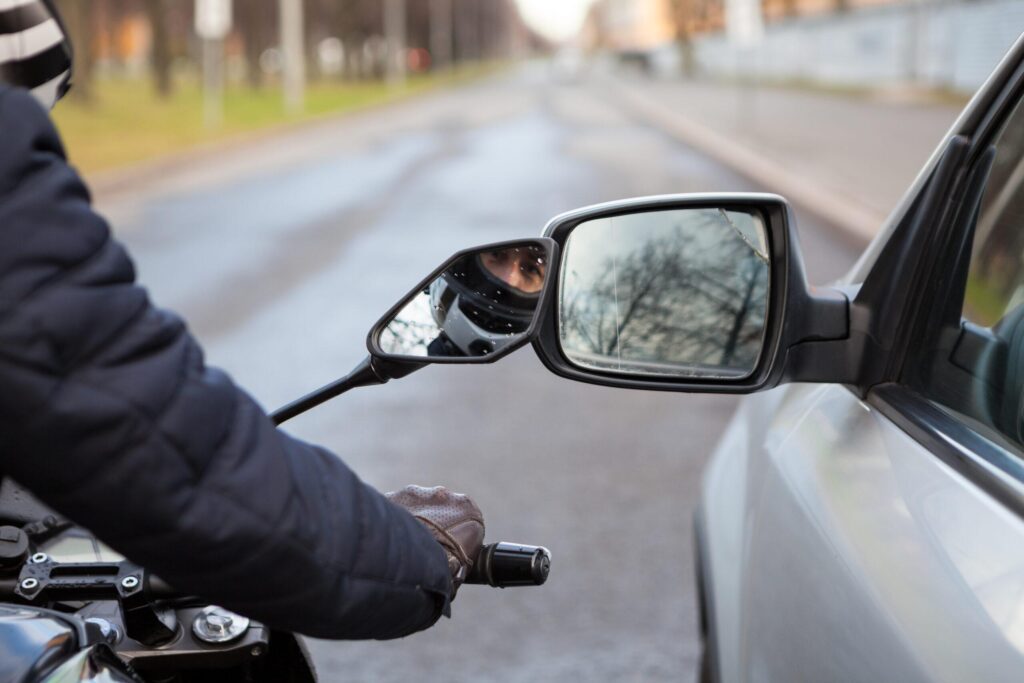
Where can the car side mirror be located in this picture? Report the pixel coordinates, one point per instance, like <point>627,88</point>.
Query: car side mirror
<point>702,293</point>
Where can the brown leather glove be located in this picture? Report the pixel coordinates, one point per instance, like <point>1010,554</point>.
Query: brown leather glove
<point>454,520</point>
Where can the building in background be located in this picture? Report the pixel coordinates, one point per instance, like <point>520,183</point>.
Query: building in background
<point>777,10</point>
<point>629,25</point>
<point>948,45</point>
<point>648,24</point>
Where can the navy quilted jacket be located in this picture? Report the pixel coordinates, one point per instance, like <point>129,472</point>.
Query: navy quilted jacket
<point>110,416</point>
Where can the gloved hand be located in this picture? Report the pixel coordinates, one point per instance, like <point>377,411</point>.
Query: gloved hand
<point>454,520</point>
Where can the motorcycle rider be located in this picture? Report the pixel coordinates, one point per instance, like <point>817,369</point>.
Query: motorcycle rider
<point>110,416</point>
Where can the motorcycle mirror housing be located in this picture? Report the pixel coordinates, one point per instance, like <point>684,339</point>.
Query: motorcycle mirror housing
<point>476,307</point>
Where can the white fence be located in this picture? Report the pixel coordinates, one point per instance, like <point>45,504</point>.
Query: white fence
<point>951,44</point>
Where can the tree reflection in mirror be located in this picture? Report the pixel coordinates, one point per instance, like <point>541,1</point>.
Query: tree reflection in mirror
<point>678,292</point>
<point>480,304</point>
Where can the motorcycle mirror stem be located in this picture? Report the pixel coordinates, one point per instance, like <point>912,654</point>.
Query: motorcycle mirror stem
<point>372,370</point>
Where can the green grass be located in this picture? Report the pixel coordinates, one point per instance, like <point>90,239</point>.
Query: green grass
<point>984,303</point>
<point>126,123</point>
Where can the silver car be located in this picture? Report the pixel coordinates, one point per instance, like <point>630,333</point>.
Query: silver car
<point>861,518</point>
<point>865,524</point>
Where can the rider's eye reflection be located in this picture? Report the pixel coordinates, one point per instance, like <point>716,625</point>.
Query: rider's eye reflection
<point>521,269</point>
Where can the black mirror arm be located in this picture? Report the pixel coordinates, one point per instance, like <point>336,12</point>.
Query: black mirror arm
<point>370,371</point>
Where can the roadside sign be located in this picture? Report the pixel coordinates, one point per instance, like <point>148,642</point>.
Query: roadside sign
<point>213,19</point>
<point>744,23</point>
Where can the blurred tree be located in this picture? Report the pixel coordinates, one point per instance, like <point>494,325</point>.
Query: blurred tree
<point>78,16</point>
<point>356,21</point>
<point>467,27</point>
<point>157,12</point>
<point>417,30</point>
<point>440,36</point>
<point>256,23</point>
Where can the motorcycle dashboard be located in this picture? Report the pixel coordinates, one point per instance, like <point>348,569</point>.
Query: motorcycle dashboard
<point>19,507</point>
<point>79,546</point>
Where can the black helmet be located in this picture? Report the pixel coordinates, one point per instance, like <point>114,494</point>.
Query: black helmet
<point>477,311</point>
<point>35,52</point>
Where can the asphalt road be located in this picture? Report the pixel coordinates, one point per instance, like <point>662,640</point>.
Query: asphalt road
<point>282,252</point>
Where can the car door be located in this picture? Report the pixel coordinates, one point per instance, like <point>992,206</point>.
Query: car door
<point>876,532</point>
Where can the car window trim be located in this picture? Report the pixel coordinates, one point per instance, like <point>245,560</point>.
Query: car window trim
<point>994,469</point>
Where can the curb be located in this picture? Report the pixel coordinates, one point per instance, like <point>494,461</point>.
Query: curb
<point>857,222</point>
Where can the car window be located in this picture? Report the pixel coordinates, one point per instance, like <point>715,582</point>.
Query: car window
<point>971,361</point>
<point>995,282</point>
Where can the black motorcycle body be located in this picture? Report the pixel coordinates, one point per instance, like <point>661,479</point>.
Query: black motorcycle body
<point>74,611</point>
<point>39,645</point>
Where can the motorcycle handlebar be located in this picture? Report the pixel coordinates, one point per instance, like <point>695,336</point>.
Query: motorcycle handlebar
<point>501,565</point>
<point>504,565</point>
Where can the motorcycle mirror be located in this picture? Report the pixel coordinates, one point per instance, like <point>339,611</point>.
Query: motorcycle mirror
<point>479,305</point>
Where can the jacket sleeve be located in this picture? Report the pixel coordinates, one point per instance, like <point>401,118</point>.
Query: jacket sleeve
<point>109,415</point>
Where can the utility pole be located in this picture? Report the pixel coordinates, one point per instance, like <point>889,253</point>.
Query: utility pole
<point>441,34</point>
<point>212,24</point>
<point>213,83</point>
<point>293,53</point>
<point>394,31</point>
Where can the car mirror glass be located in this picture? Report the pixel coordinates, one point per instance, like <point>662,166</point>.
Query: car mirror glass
<point>681,293</point>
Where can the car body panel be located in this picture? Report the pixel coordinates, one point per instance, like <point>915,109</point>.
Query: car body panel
<point>835,546</point>
<point>840,549</point>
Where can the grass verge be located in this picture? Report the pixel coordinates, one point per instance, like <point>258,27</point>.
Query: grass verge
<point>126,122</point>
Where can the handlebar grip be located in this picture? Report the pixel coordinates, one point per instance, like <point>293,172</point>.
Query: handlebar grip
<point>504,565</point>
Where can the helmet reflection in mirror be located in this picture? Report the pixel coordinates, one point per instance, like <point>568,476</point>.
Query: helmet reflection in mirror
<point>35,52</point>
<point>484,299</point>
<point>481,303</point>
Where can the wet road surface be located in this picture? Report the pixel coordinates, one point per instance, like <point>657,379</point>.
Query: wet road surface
<point>282,254</point>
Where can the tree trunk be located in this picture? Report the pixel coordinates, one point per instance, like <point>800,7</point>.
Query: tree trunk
<point>76,14</point>
<point>160,57</point>
<point>256,21</point>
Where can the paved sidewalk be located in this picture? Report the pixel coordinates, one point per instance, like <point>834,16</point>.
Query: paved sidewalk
<point>846,158</point>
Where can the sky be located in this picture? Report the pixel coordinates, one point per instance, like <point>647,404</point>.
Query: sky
<point>556,19</point>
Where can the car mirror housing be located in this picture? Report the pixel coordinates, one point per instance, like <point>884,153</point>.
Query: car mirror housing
<point>696,293</point>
